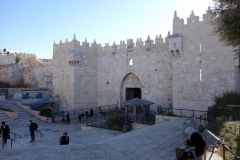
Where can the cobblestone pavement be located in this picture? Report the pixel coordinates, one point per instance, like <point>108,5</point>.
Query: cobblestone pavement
<point>157,142</point>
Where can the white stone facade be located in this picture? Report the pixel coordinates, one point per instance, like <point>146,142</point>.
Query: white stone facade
<point>185,70</point>
<point>166,72</point>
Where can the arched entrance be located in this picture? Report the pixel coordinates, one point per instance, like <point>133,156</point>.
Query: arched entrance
<point>131,87</point>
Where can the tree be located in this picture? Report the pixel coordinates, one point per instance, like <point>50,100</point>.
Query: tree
<point>32,61</point>
<point>226,22</point>
<point>17,59</point>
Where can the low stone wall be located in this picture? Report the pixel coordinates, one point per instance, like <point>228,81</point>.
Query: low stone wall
<point>160,118</point>
<point>136,126</point>
<point>12,115</point>
<point>35,113</point>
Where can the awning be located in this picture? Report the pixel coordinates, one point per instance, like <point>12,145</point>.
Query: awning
<point>137,102</point>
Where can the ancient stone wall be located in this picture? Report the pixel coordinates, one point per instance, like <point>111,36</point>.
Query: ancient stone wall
<point>183,70</point>
<point>205,67</point>
<point>38,77</point>
<point>147,67</point>
<point>75,74</point>
<point>12,75</point>
<point>5,72</point>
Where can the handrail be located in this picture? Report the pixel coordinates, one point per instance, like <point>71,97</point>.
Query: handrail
<point>41,134</point>
<point>224,150</point>
<point>203,117</point>
<point>15,134</point>
<point>7,138</point>
<point>190,110</point>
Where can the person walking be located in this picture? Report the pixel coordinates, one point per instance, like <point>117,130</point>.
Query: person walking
<point>91,112</point>
<point>63,118</point>
<point>68,119</point>
<point>79,118</point>
<point>32,128</point>
<point>5,131</point>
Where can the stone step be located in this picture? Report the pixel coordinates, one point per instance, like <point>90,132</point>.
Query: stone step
<point>22,115</point>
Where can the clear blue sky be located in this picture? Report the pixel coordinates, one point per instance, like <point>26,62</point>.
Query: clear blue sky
<point>31,26</point>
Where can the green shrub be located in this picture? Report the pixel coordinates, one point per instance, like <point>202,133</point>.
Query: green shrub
<point>46,112</point>
<point>160,110</point>
<point>226,106</point>
<point>17,59</point>
<point>227,98</point>
<point>116,118</point>
<point>228,132</point>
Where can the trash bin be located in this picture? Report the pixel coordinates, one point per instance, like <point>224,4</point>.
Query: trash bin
<point>126,127</point>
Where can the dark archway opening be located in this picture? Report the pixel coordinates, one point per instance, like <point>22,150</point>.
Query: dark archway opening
<point>133,93</point>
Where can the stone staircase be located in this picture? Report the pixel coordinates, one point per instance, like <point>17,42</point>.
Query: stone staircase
<point>22,115</point>
<point>4,117</point>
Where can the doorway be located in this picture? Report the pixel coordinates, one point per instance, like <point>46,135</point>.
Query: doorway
<point>133,93</point>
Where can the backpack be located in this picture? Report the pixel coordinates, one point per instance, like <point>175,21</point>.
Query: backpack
<point>64,140</point>
<point>35,126</point>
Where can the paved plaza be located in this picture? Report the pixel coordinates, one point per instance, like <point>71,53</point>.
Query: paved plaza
<point>156,142</point>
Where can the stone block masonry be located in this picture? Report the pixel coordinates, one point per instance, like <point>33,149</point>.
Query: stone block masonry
<point>183,69</point>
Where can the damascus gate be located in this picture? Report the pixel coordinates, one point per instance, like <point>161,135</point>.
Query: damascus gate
<point>183,69</point>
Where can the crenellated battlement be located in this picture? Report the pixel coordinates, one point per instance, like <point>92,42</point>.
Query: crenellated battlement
<point>182,69</point>
<point>130,45</point>
<point>192,20</point>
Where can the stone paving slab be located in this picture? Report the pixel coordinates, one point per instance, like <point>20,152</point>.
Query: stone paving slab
<point>154,142</point>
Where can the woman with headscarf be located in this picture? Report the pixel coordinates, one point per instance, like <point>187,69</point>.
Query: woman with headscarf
<point>64,139</point>
<point>195,140</point>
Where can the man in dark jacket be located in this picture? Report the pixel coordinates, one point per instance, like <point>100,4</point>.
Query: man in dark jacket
<point>196,141</point>
<point>68,119</point>
<point>5,131</point>
<point>64,139</point>
<point>32,130</point>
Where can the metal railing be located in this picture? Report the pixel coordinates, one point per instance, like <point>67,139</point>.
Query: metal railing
<point>202,117</point>
<point>97,118</point>
<point>228,149</point>
<point>150,120</point>
<point>7,138</point>
<point>110,126</point>
<point>39,132</point>
<point>107,108</point>
<point>15,134</point>
<point>185,112</point>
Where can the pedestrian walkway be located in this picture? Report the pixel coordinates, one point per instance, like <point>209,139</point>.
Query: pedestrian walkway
<point>157,142</point>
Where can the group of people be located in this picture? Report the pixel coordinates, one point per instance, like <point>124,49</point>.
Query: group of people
<point>5,131</point>
<point>84,116</point>
<point>194,145</point>
<point>65,118</point>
